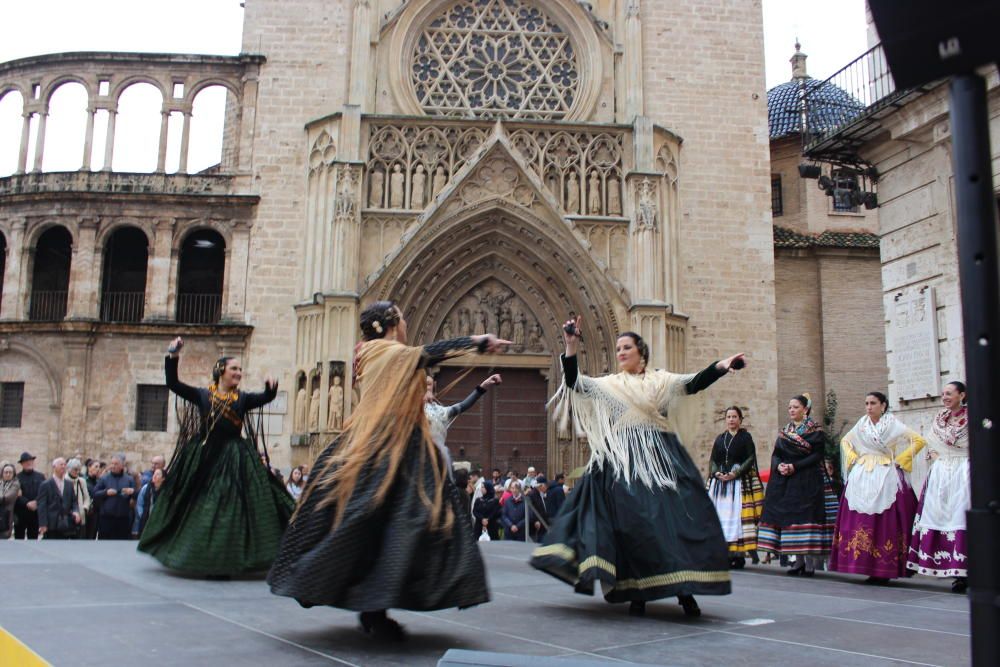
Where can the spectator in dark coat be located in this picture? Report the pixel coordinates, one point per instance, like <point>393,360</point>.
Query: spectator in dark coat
<point>159,463</point>
<point>487,512</point>
<point>115,490</point>
<point>26,506</point>
<point>58,511</point>
<point>539,508</point>
<point>10,488</point>
<point>556,496</point>
<point>93,477</point>
<point>513,514</point>
<point>147,497</point>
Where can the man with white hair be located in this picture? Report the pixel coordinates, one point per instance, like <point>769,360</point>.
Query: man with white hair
<point>115,490</point>
<point>58,511</point>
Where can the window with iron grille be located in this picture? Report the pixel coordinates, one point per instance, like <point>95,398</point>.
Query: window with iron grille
<point>776,203</point>
<point>151,407</point>
<point>11,404</point>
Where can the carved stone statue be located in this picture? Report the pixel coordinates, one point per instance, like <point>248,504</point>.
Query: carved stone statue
<point>614,197</point>
<point>417,188</point>
<point>535,343</point>
<point>335,419</point>
<point>646,215</point>
<point>464,325</point>
<point>376,193</point>
<point>447,333</point>
<point>572,194</point>
<point>301,411</point>
<point>481,322</point>
<point>314,411</point>
<point>440,180</point>
<point>594,194</point>
<point>520,322</point>
<point>396,189</point>
<point>553,185</point>
<point>506,326</point>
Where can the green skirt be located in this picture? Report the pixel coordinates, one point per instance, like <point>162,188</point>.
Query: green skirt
<point>220,511</point>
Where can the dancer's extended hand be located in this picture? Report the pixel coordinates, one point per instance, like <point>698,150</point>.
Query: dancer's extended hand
<point>490,344</point>
<point>572,340</point>
<point>271,384</point>
<point>175,346</point>
<point>733,363</point>
<point>491,380</point>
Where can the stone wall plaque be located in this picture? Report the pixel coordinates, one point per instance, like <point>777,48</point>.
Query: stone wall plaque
<point>916,367</point>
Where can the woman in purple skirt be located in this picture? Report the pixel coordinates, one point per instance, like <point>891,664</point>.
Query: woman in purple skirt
<point>872,535</point>
<point>938,546</point>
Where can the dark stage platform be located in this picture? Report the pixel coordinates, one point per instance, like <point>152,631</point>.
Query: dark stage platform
<point>101,603</point>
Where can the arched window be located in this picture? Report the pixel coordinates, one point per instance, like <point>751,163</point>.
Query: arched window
<point>11,107</point>
<point>200,273</point>
<point>208,120</point>
<point>123,282</point>
<point>66,128</point>
<point>50,275</point>
<point>137,129</point>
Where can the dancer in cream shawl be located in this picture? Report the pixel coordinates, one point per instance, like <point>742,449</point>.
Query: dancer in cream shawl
<point>877,508</point>
<point>639,520</point>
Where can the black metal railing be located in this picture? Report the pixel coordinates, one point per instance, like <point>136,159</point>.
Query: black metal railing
<point>48,306</point>
<point>122,306</point>
<point>868,85</point>
<point>199,308</point>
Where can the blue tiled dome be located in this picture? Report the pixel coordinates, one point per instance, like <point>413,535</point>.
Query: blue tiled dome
<point>829,107</point>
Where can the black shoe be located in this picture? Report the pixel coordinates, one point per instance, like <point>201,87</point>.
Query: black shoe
<point>959,585</point>
<point>737,563</point>
<point>637,608</point>
<point>380,626</point>
<point>876,581</point>
<point>799,568</point>
<point>690,606</point>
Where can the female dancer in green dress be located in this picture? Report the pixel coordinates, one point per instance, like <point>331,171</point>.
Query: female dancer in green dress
<point>220,511</point>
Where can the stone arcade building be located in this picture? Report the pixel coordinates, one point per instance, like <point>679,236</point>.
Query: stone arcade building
<point>493,165</point>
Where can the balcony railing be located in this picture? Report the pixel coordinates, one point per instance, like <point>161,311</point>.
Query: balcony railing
<point>867,85</point>
<point>47,306</point>
<point>122,306</point>
<point>199,308</point>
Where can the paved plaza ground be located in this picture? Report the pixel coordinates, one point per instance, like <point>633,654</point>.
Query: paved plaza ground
<point>101,603</point>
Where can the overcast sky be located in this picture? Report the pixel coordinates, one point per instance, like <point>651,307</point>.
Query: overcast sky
<point>831,33</point>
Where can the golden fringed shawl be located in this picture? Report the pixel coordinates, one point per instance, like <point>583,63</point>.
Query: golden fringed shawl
<point>622,416</point>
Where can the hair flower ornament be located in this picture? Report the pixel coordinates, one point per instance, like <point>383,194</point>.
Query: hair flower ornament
<point>377,326</point>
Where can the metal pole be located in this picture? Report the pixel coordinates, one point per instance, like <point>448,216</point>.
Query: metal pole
<point>980,287</point>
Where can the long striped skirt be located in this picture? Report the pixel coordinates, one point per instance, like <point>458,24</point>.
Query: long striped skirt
<point>813,538</point>
<point>739,517</point>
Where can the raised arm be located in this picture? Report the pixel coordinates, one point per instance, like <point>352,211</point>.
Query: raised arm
<point>187,392</point>
<point>704,379</point>
<point>437,352</point>
<point>470,400</point>
<point>255,399</point>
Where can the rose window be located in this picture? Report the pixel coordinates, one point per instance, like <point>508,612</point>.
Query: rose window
<point>495,59</point>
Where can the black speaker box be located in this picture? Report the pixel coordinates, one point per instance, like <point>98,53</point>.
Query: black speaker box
<point>925,40</point>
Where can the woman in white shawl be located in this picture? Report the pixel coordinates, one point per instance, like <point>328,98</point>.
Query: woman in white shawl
<point>639,520</point>
<point>938,544</point>
<point>877,509</point>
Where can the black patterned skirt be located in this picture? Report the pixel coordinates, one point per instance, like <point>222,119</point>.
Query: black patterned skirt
<point>381,557</point>
<point>640,543</point>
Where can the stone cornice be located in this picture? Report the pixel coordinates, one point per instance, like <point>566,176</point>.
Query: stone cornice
<point>139,329</point>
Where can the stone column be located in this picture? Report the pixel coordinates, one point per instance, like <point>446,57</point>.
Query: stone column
<point>14,282</point>
<point>161,155</point>
<point>234,309</point>
<point>109,140</point>
<point>158,272</point>
<point>88,143</point>
<point>75,381</point>
<point>247,120</point>
<point>84,284</point>
<point>22,155</point>
<point>40,142</point>
<point>634,104</point>
<point>182,168</point>
<point>360,53</point>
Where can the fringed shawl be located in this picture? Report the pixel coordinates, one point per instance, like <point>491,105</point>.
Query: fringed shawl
<point>622,416</point>
<point>872,482</point>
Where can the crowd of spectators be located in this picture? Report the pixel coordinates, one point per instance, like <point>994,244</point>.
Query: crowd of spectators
<point>509,507</point>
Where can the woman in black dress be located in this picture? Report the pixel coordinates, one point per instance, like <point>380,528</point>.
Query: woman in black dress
<point>639,520</point>
<point>379,524</point>
<point>796,519</point>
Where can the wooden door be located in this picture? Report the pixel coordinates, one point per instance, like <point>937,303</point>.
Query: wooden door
<point>507,428</point>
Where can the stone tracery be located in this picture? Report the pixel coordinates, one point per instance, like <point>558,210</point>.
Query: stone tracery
<point>495,59</point>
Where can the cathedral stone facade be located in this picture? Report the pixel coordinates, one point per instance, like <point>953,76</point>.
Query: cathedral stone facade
<point>492,165</point>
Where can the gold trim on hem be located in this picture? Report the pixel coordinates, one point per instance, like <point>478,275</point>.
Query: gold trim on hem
<point>596,562</point>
